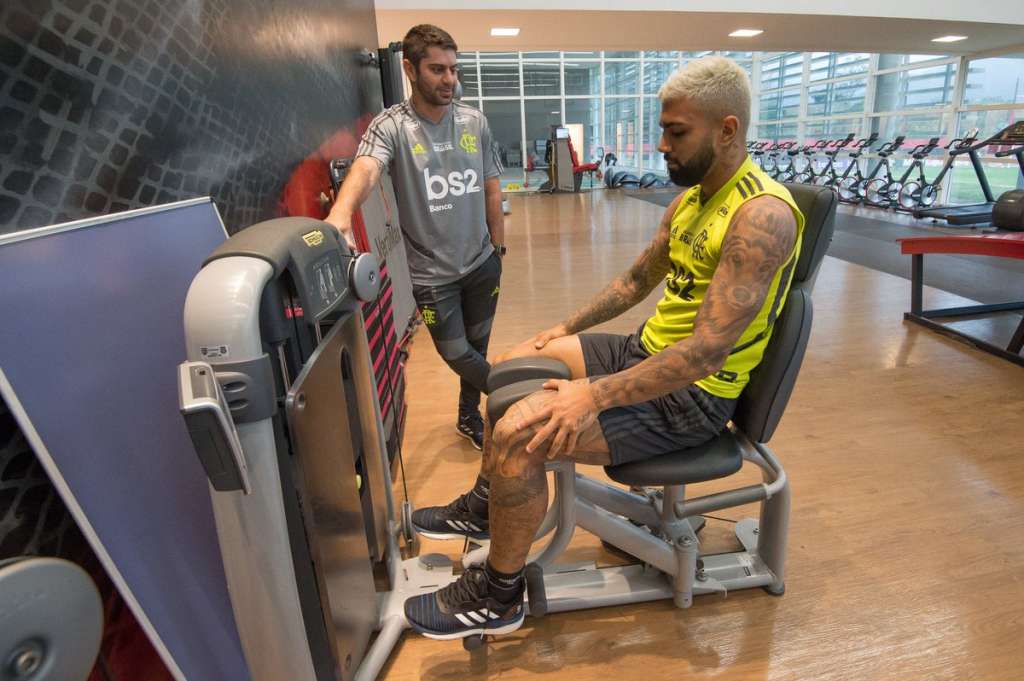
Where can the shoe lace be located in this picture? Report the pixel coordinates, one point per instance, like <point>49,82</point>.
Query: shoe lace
<point>460,505</point>
<point>475,421</point>
<point>469,587</point>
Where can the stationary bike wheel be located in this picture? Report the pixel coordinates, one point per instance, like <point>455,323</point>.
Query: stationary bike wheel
<point>876,193</point>
<point>802,178</point>
<point>909,195</point>
<point>929,193</point>
<point>823,180</point>
<point>768,164</point>
<point>848,188</point>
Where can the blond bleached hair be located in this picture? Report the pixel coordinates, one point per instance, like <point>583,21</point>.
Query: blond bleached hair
<point>716,85</point>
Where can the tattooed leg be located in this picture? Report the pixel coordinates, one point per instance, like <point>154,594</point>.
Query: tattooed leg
<point>519,488</point>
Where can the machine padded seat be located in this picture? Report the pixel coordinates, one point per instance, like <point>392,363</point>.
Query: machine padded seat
<point>720,457</point>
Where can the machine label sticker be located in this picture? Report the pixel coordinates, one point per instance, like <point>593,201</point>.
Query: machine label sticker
<point>214,351</point>
<point>314,238</point>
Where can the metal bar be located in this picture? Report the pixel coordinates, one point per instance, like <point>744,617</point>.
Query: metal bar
<point>916,283</point>
<point>970,340</point>
<point>565,497</point>
<point>720,500</point>
<point>968,310</point>
<point>773,529</point>
<point>616,500</point>
<point>380,651</point>
<point>626,536</point>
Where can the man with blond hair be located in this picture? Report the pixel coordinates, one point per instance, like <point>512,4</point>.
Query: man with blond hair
<point>725,249</point>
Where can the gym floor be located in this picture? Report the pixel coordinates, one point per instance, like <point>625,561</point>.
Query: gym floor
<point>902,447</point>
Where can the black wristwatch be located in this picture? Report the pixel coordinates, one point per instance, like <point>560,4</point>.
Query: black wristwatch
<point>500,250</point>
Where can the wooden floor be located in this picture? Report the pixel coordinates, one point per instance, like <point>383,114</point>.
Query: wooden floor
<point>904,451</point>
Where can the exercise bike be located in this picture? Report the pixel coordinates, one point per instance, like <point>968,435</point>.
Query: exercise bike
<point>921,193</point>
<point>851,184</point>
<point>876,189</point>
<point>806,174</point>
<point>828,177</point>
<point>917,156</point>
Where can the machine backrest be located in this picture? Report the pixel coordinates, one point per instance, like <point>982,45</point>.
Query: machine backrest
<point>771,383</point>
<point>818,204</point>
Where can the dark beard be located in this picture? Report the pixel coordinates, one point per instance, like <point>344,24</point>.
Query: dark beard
<point>692,172</point>
<point>432,97</point>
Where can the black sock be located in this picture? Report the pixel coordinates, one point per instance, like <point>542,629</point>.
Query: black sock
<point>480,496</point>
<point>504,587</point>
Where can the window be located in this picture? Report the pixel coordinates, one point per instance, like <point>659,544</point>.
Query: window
<point>622,78</point>
<point>844,96</point>
<point>586,112</point>
<point>777,132</point>
<point>499,79</point>
<point>583,78</point>
<point>893,61</point>
<point>651,157</point>
<point>505,119</point>
<point>621,55</point>
<point>781,70</point>
<point>621,128</point>
<point>499,55</point>
<point>469,79</point>
<point>999,80</point>
<point>837,128</point>
<point>915,88</point>
<point>655,75</point>
<point>825,65</point>
<point>541,78</point>
<point>662,55</point>
<point>916,128</point>
<point>780,104</point>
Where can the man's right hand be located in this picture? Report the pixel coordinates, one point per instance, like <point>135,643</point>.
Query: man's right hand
<point>343,223</point>
<point>545,337</point>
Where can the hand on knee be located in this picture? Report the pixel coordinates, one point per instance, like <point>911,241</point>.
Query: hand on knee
<point>508,455</point>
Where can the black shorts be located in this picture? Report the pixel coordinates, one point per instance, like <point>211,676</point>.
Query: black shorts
<point>685,418</point>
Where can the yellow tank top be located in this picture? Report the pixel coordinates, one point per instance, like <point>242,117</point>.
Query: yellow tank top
<point>694,249</point>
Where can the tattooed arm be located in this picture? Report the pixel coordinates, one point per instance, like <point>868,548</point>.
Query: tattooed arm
<point>760,240</point>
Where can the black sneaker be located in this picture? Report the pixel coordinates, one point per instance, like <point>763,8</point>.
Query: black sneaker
<point>453,521</point>
<point>464,608</point>
<point>471,427</point>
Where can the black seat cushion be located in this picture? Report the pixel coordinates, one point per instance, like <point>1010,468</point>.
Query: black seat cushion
<point>717,458</point>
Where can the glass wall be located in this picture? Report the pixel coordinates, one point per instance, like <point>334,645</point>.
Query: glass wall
<point>611,100</point>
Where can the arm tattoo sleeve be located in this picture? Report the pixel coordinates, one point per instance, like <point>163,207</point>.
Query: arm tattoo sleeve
<point>759,242</point>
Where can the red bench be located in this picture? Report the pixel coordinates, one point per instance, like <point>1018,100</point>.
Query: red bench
<point>999,245</point>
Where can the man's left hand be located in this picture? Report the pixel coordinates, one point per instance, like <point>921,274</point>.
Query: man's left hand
<point>565,417</point>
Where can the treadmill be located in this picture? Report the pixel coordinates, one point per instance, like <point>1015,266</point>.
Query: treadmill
<point>979,213</point>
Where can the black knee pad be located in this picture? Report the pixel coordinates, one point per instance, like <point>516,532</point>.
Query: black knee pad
<point>498,401</point>
<point>525,369</point>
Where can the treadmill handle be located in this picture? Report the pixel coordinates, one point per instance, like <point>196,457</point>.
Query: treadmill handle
<point>208,418</point>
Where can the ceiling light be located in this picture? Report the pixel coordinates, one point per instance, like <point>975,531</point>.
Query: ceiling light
<point>949,39</point>
<point>512,32</point>
<point>745,33</point>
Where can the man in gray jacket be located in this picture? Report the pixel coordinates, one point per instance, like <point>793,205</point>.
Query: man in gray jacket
<point>445,174</point>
